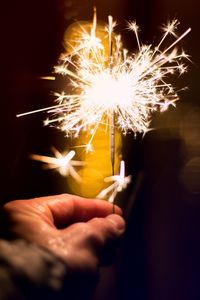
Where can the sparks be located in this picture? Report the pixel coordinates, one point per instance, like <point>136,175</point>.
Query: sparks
<point>108,85</point>
<point>171,27</point>
<point>63,163</point>
<point>137,86</point>
<point>120,183</point>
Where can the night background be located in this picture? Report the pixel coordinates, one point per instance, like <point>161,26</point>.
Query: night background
<point>160,254</point>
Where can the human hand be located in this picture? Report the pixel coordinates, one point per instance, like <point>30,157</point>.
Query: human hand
<point>73,228</point>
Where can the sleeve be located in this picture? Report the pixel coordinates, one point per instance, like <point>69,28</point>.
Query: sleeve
<point>30,272</point>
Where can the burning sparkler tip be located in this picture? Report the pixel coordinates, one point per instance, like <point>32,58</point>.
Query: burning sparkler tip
<point>130,86</point>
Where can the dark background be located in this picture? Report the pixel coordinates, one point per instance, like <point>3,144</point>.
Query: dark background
<point>159,257</point>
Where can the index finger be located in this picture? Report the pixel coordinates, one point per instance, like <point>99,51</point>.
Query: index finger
<point>67,209</point>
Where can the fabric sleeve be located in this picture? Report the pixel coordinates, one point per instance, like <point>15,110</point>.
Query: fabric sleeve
<point>30,272</point>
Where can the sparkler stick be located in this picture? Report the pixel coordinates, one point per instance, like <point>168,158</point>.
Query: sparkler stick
<point>112,117</point>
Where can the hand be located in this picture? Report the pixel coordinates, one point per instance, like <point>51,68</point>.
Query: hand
<point>75,229</point>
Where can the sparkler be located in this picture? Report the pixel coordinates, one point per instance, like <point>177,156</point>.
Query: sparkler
<point>115,88</point>
<point>131,86</point>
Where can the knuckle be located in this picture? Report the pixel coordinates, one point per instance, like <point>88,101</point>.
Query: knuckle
<point>110,228</point>
<point>106,226</point>
<point>86,230</point>
<point>101,230</point>
<point>99,221</point>
<point>92,234</point>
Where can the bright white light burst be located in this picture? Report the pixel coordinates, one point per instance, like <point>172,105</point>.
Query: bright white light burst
<point>130,86</point>
<point>63,163</point>
<point>120,183</point>
<point>136,85</point>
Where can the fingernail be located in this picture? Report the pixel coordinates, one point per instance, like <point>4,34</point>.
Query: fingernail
<point>117,221</point>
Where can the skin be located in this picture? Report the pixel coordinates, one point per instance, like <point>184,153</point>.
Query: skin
<point>76,229</point>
